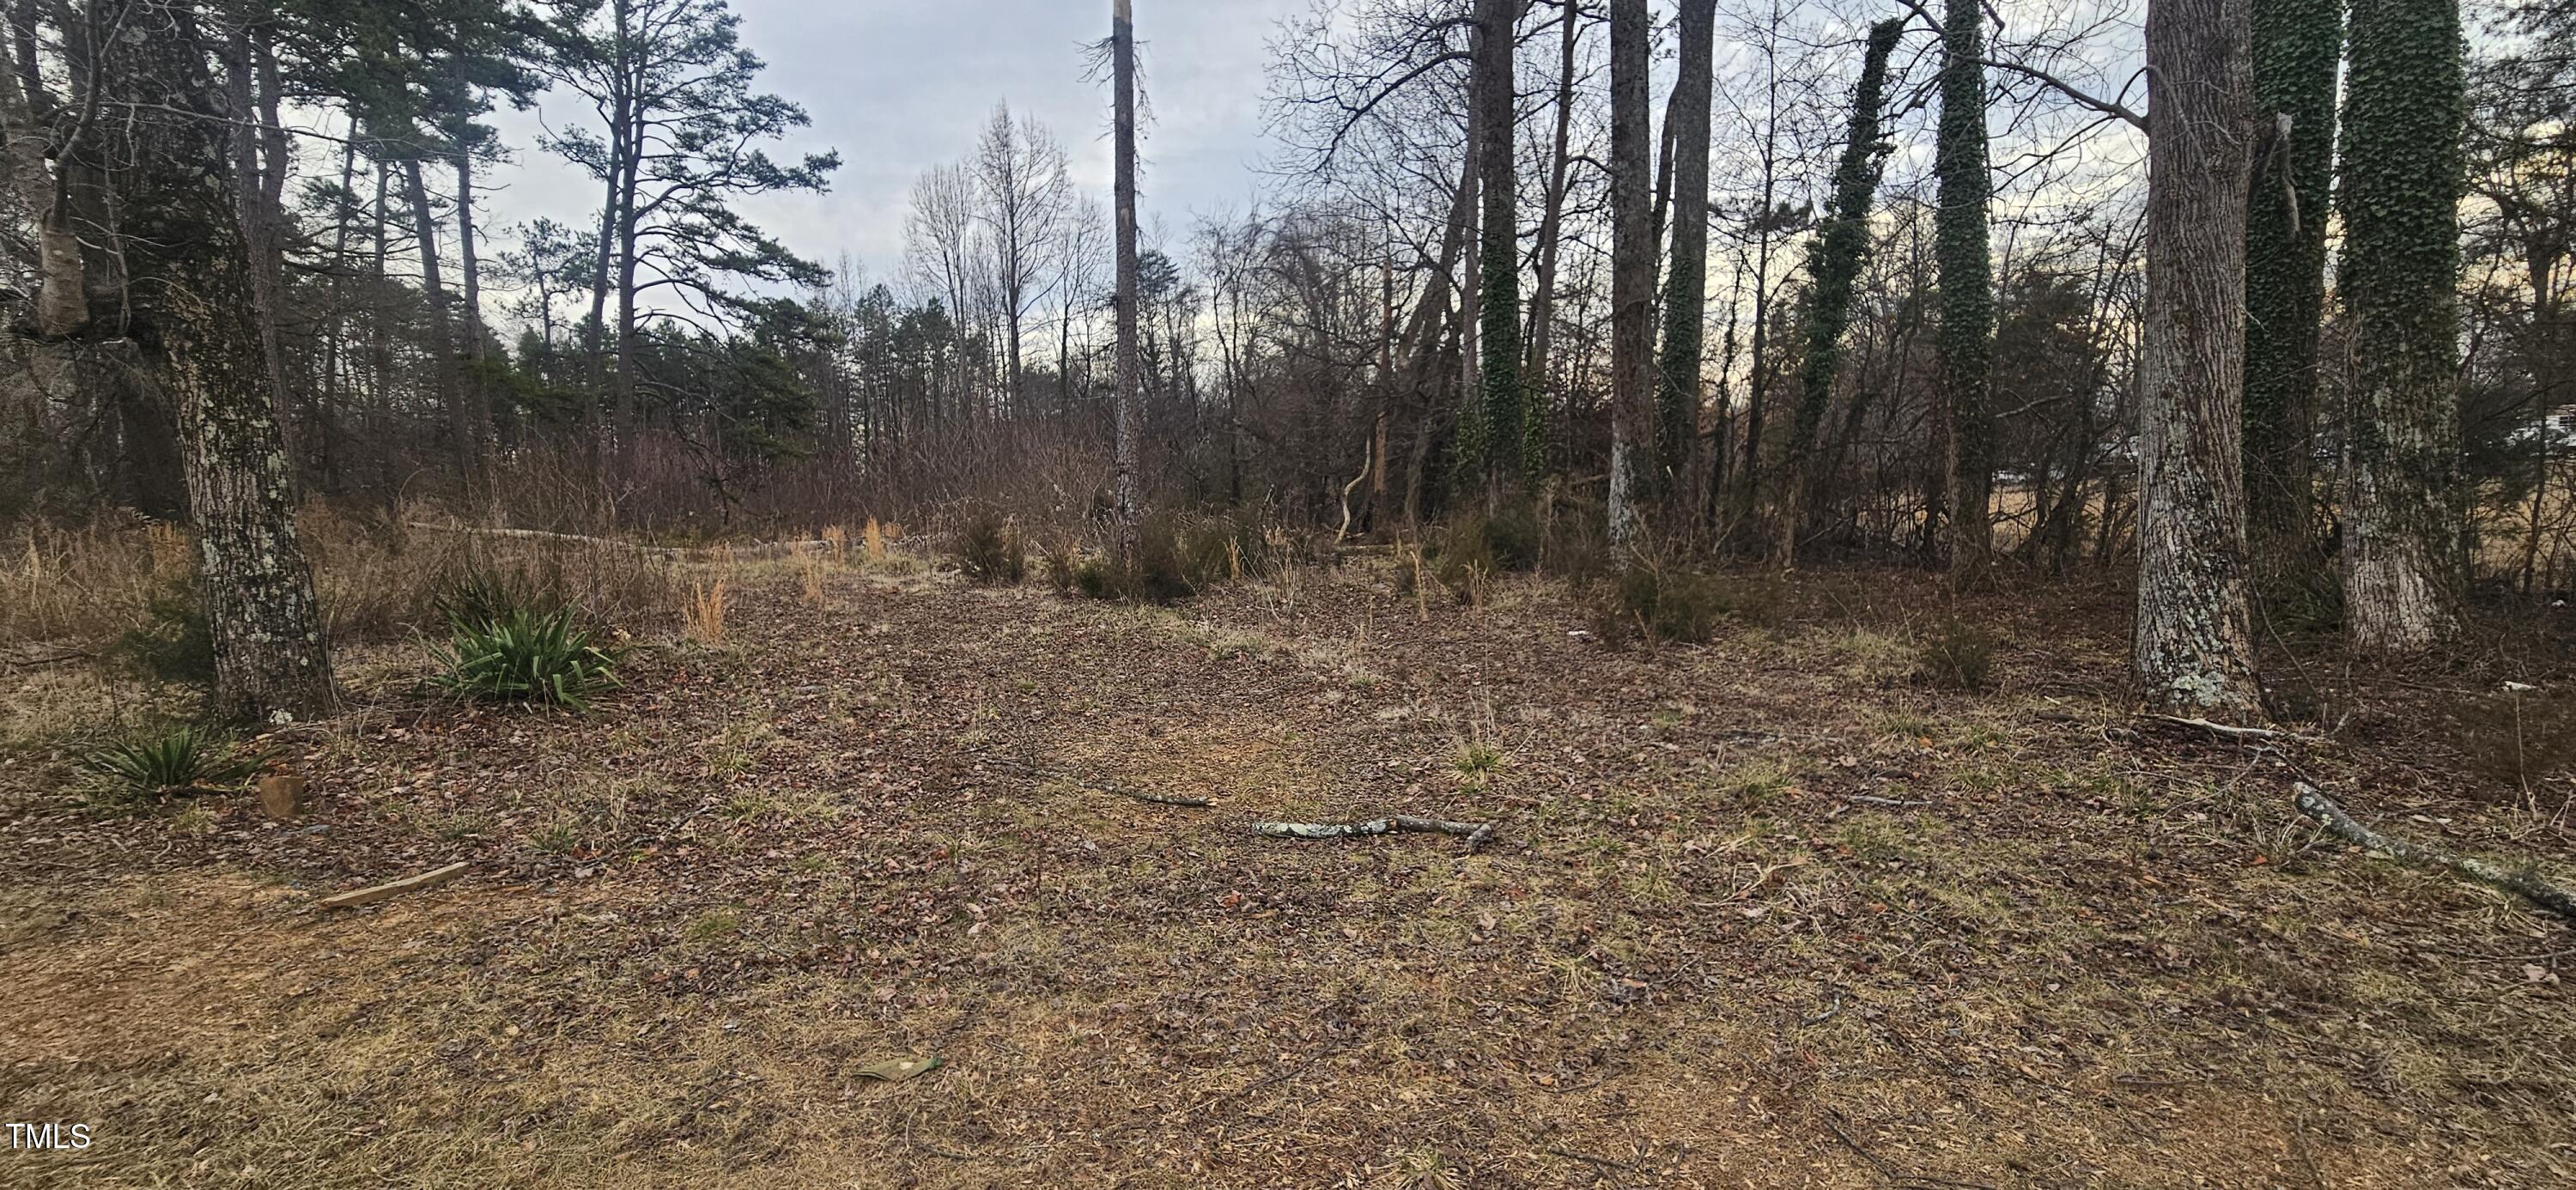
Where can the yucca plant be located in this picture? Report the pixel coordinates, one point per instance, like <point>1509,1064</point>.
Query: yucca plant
<point>525,656</point>
<point>179,760</point>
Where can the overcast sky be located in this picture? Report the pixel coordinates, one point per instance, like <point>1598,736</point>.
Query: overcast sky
<point>898,86</point>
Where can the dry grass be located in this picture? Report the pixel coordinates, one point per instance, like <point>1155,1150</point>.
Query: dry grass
<point>376,580</point>
<point>702,618</point>
<point>1692,958</point>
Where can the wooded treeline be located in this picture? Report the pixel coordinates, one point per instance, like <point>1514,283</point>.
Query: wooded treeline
<point>1770,280</point>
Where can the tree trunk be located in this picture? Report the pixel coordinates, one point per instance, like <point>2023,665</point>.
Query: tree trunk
<point>1686,286</point>
<point>1841,251</point>
<point>2403,566</point>
<point>477,396</point>
<point>442,335</point>
<point>1966,340</point>
<point>1503,442</point>
<point>204,325</point>
<point>1122,55</point>
<point>1551,221</point>
<point>2193,650</point>
<point>1632,267</point>
<point>2297,51</point>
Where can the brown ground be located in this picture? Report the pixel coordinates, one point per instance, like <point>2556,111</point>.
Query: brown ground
<point>2091,958</point>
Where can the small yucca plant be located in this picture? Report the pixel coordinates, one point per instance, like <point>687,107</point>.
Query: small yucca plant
<point>525,657</point>
<point>182,759</point>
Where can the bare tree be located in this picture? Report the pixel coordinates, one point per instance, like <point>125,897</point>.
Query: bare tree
<point>1020,177</point>
<point>1122,66</point>
<point>2193,651</point>
<point>1632,270</point>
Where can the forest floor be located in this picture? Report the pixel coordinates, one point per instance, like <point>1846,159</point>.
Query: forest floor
<point>2059,948</point>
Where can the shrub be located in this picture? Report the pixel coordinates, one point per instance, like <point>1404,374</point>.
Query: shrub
<point>1663,601</point>
<point>1956,656</point>
<point>174,642</point>
<point>180,760</point>
<point>1160,572</point>
<point>990,551</point>
<point>1062,556</point>
<point>546,659</point>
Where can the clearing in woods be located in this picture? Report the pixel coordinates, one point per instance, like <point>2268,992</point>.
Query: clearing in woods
<point>1765,912</point>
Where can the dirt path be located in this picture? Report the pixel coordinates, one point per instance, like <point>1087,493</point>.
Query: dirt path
<point>2047,955</point>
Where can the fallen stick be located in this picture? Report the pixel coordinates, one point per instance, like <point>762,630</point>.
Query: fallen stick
<point>2526,884</point>
<point>1867,799</point>
<point>2227,730</point>
<point>368,896</point>
<point>1475,832</point>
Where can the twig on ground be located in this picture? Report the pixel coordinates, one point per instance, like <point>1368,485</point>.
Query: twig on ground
<point>2527,883</point>
<point>1603,1166</point>
<point>40,662</point>
<point>1476,833</point>
<point>368,896</point>
<point>2227,730</point>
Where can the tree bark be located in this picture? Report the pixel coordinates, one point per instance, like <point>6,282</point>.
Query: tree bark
<point>2297,52</point>
<point>1632,267</point>
<point>1966,341</point>
<point>1502,440</point>
<point>2403,566</point>
<point>2193,652</point>
<point>1122,54</point>
<point>1686,286</point>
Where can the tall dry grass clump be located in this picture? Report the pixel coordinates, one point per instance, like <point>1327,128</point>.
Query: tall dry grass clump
<point>702,617</point>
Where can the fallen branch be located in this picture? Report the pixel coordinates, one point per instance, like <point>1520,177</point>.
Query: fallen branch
<point>368,896</point>
<point>1476,833</point>
<point>2526,884</point>
<point>40,662</point>
<point>1160,799</point>
<point>1874,800</point>
<point>2227,730</point>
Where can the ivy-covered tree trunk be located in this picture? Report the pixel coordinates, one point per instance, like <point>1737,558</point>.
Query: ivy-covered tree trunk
<point>2298,47</point>
<point>1632,265</point>
<point>198,320</point>
<point>1122,67</point>
<point>1504,438</point>
<point>1840,253</point>
<point>2193,652</point>
<point>1677,396</point>
<point>1966,340</point>
<point>2405,107</point>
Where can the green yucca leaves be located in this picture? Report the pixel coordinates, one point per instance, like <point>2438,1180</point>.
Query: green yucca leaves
<point>184,758</point>
<point>524,656</point>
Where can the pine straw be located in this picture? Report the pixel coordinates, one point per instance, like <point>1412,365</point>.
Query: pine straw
<point>698,913</point>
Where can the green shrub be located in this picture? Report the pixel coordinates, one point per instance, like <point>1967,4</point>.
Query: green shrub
<point>990,550</point>
<point>182,759</point>
<point>547,659</point>
<point>1956,656</point>
<point>174,643</point>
